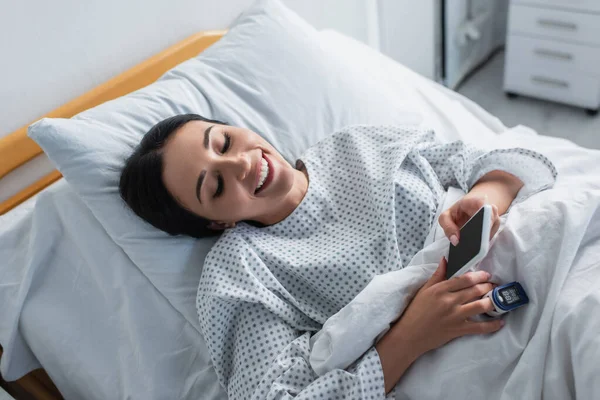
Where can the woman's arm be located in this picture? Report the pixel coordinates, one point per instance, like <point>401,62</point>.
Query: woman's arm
<point>396,355</point>
<point>258,355</point>
<point>495,177</point>
<point>499,187</point>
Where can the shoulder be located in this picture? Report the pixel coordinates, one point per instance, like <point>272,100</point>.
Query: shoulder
<point>361,138</point>
<point>361,132</point>
<point>231,241</point>
<point>224,262</point>
<point>378,136</point>
<point>235,244</point>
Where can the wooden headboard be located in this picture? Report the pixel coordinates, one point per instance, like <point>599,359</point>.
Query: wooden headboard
<point>17,149</point>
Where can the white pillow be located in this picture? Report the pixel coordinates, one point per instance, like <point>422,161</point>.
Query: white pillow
<point>269,73</point>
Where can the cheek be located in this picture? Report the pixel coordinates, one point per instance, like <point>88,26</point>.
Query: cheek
<point>286,175</point>
<point>235,204</point>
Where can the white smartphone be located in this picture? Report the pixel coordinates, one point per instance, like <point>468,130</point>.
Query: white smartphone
<point>473,243</point>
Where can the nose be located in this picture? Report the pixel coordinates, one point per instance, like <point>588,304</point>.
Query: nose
<point>238,165</point>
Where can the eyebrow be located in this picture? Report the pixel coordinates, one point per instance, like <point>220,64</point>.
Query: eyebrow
<point>207,136</point>
<point>203,173</point>
<point>199,185</point>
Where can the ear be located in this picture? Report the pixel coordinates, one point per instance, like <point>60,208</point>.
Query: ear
<point>220,226</point>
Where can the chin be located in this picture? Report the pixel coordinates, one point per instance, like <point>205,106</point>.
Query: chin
<point>255,223</point>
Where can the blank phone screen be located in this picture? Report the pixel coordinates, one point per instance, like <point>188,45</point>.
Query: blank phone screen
<point>468,246</point>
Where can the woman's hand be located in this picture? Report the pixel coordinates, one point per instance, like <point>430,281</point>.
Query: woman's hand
<point>497,188</point>
<point>439,312</point>
<point>456,216</point>
<point>441,309</point>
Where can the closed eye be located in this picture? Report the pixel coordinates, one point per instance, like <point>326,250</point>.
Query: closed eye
<point>227,143</point>
<point>226,146</point>
<point>219,187</point>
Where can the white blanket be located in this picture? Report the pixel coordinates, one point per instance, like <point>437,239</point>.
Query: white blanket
<point>550,348</point>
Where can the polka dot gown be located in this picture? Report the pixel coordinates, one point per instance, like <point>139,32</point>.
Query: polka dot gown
<point>372,199</point>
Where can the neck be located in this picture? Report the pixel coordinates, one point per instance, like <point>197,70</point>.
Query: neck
<point>291,201</point>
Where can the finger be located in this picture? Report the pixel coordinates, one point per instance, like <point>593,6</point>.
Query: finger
<point>458,215</point>
<point>438,276</point>
<point>473,293</point>
<point>476,307</point>
<point>495,221</point>
<point>477,328</point>
<point>466,280</point>
<point>495,227</point>
<point>451,230</point>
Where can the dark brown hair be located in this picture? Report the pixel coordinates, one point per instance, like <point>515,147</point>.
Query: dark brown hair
<point>141,185</point>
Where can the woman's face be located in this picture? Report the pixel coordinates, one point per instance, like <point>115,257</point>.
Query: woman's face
<point>228,174</point>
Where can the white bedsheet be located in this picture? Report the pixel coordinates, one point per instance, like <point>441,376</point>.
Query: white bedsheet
<point>550,243</point>
<point>92,319</point>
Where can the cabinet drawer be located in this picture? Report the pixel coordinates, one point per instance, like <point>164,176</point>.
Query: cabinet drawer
<point>552,56</point>
<point>556,24</point>
<point>576,5</point>
<point>571,88</point>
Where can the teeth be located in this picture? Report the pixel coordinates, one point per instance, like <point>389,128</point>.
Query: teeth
<point>264,172</point>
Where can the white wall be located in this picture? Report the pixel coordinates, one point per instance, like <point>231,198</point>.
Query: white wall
<point>54,51</point>
<point>409,33</point>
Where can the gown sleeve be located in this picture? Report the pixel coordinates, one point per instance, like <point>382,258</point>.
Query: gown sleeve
<point>462,165</point>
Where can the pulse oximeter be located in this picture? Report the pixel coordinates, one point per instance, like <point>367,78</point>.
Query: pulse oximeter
<point>506,298</point>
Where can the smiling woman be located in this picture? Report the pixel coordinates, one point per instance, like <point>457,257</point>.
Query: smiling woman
<point>195,176</point>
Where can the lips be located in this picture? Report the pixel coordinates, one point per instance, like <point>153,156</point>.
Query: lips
<point>269,177</point>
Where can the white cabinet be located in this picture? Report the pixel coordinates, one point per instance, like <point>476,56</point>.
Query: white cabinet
<point>553,51</point>
<point>583,5</point>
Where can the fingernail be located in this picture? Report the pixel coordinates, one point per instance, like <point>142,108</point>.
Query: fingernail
<point>454,240</point>
<point>502,322</point>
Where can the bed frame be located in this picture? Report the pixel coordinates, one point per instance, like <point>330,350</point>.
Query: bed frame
<point>17,149</point>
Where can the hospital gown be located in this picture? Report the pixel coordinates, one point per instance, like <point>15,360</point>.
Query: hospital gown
<point>371,201</point>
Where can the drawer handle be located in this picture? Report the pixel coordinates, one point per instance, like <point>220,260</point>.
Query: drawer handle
<point>553,54</point>
<point>550,81</point>
<point>551,23</point>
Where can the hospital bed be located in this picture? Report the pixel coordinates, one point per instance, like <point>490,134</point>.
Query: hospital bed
<point>101,328</point>
<point>16,212</point>
<point>16,149</point>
